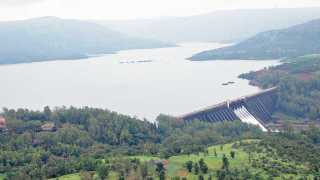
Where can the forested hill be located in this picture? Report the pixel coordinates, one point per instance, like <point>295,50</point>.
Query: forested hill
<point>291,42</point>
<point>50,38</point>
<point>299,84</point>
<point>90,143</point>
<point>51,143</point>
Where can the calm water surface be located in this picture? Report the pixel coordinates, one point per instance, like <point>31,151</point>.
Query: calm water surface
<point>170,84</point>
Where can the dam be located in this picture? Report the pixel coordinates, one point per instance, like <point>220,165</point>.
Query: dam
<point>256,109</point>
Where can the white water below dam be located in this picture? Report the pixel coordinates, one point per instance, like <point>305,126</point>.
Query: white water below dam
<point>245,116</point>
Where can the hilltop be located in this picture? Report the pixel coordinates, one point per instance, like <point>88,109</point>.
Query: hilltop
<point>51,38</point>
<point>218,26</point>
<point>276,44</point>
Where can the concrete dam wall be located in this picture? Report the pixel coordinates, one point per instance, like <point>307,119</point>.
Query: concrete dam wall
<point>254,109</point>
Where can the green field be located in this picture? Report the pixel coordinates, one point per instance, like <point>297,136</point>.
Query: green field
<point>2,177</point>
<point>77,176</point>
<point>176,163</point>
<point>175,167</point>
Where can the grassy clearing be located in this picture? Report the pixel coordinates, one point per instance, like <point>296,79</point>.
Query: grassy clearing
<point>176,163</point>
<point>213,159</point>
<point>2,176</point>
<point>75,176</point>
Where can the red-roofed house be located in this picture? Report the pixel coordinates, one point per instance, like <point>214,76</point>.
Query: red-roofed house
<point>3,123</point>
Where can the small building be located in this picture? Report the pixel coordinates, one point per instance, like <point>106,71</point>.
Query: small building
<point>50,127</point>
<point>3,123</point>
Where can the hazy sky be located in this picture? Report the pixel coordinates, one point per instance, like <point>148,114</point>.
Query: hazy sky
<point>132,9</point>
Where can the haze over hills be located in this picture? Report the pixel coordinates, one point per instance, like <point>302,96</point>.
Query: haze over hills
<point>50,38</point>
<point>285,43</point>
<point>219,26</point>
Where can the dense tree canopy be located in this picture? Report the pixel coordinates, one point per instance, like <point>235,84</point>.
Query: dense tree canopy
<point>298,81</point>
<point>84,136</point>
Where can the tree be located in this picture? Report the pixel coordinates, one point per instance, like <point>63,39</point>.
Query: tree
<point>196,168</point>
<point>47,112</point>
<point>203,166</point>
<point>144,170</point>
<point>161,171</point>
<point>201,162</point>
<point>162,175</point>
<point>225,162</point>
<point>200,177</point>
<point>103,171</point>
<point>88,163</point>
<point>232,154</point>
<point>206,152</point>
<point>222,174</point>
<point>189,165</point>
<point>22,175</point>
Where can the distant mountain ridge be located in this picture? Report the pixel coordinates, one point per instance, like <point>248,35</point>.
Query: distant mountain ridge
<point>219,26</point>
<point>291,42</point>
<point>51,38</point>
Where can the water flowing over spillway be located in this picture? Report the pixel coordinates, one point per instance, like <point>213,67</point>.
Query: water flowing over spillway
<point>245,116</point>
<point>255,109</point>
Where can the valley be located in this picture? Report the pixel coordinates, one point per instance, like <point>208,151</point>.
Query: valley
<point>137,89</point>
<point>88,92</point>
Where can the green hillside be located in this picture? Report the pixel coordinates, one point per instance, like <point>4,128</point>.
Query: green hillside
<point>299,86</point>
<point>61,141</point>
<point>291,42</point>
<point>50,38</point>
<point>90,142</point>
<point>247,162</point>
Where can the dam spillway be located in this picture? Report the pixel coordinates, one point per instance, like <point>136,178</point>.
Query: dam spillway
<point>253,109</point>
<point>245,116</point>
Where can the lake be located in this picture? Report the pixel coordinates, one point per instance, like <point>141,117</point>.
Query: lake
<point>169,84</point>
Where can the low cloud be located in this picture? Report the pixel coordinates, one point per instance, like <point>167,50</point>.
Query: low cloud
<point>18,2</point>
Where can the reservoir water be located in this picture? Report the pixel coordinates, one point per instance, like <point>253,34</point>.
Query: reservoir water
<point>142,83</point>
